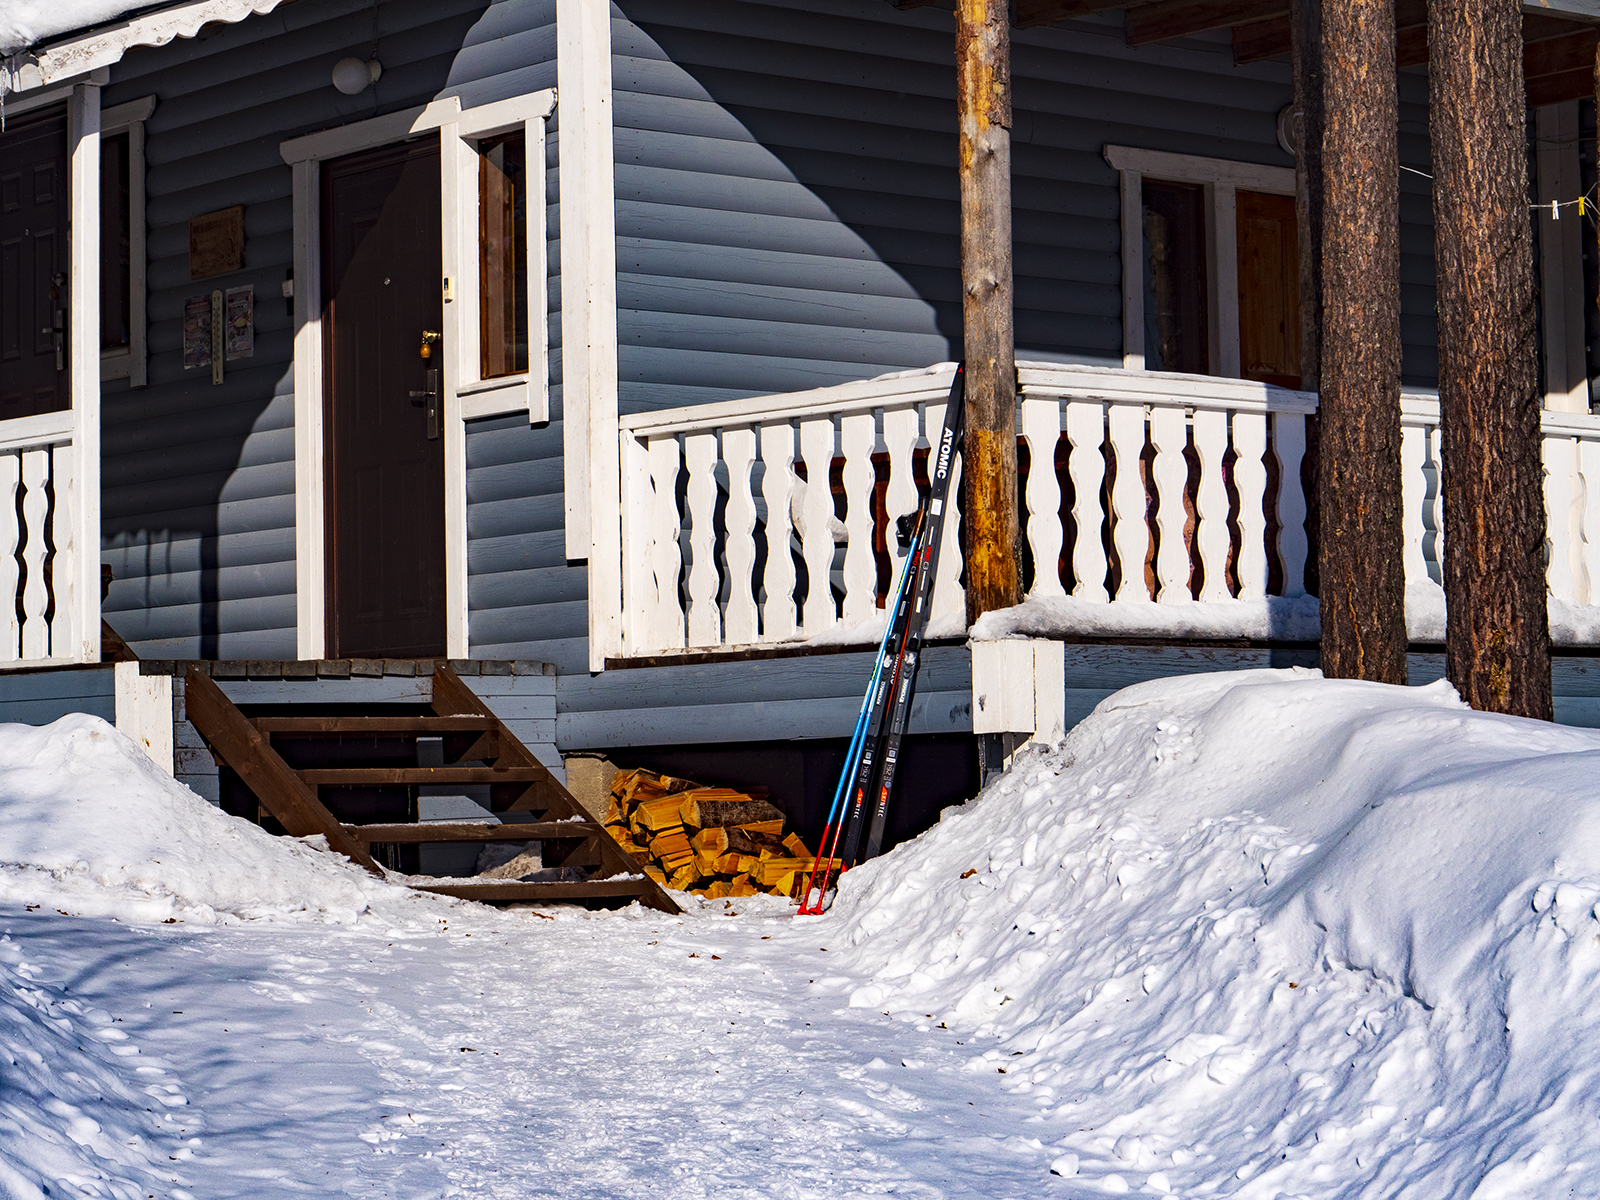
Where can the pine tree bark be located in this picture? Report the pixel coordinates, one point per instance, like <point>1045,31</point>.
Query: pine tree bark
<point>989,460</point>
<point>1305,30</point>
<point>1362,582</point>
<point>1497,641</point>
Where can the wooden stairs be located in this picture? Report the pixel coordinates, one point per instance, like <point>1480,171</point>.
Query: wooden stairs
<point>481,751</point>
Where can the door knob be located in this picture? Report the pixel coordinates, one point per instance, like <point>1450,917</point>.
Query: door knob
<point>429,398</point>
<point>429,337</point>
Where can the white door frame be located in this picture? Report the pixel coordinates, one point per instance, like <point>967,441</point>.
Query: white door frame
<point>464,397</point>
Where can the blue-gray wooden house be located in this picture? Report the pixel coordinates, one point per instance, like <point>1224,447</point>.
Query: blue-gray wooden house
<point>529,332</point>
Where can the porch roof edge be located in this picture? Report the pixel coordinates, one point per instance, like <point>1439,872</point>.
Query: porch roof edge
<point>106,43</point>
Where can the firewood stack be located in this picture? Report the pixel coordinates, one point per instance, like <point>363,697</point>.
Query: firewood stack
<point>711,841</point>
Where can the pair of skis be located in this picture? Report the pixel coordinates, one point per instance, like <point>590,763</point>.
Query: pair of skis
<point>874,753</point>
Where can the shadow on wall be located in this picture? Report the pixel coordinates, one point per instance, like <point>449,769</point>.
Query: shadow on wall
<point>198,480</point>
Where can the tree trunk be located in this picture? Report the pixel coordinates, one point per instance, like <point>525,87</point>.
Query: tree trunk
<point>1497,642</point>
<point>1362,582</point>
<point>989,466</point>
<point>1305,32</point>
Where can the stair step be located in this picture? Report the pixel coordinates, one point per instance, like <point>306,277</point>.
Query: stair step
<point>423,833</point>
<point>500,892</point>
<point>373,726</point>
<point>385,776</point>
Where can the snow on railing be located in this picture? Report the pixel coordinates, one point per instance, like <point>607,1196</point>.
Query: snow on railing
<point>770,520</point>
<point>40,545</point>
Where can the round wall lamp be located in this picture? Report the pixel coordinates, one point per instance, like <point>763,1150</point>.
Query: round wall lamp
<point>352,76</point>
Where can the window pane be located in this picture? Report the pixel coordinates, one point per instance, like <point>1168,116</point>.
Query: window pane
<point>503,267</point>
<point>1175,277</point>
<point>116,229</point>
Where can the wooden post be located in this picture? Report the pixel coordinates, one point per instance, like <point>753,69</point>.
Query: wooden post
<point>1362,580</point>
<point>1497,640</point>
<point>989,469</point>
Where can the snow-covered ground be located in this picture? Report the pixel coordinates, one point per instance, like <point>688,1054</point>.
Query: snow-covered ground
<point>1253,934</point>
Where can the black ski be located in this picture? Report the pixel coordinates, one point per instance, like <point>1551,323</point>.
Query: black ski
<point>897,697</point>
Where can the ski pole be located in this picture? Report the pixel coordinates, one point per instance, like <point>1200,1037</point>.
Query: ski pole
<point>811,905</point>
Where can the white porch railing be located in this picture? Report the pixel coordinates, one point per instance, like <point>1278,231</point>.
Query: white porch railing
<point>771,520</point>
<point>44,612</point>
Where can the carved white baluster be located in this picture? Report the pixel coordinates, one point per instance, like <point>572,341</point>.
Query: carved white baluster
<point>1250,478</point>
<point>1289,444</point>
<point>777,489</point>
<point>665,631</point>
<point>900,440</point>
<point>1211,504</point>
<point>739,452</point>
<point>1560,464</point>
<point>35,596</point>
<point>1589,464</point>
<point>700,460</point>
<point>1041,428</point>
<point>638,581</point>
<point>1086,465</point>
<point>858,434</point>
<point>1130,536</point>
<point>949,597</point>
<point>1436,443</point>
<point>816,534</point>
<point>64,536</point>
<point>10,630</point>
<point>1413,501</point>
<point>1169,434</point>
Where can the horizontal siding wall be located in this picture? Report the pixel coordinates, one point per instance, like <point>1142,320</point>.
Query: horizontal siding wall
<point>199,479</point>
<point>787,199</point>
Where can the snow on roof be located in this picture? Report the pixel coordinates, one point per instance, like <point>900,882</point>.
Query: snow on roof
<point>1331,937</point>
<point>25,22</point>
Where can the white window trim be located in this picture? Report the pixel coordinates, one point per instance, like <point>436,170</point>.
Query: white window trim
<point>1222,180</point>
<point>1561,297</point>
<point>131,363</point>
<point>456,128</point>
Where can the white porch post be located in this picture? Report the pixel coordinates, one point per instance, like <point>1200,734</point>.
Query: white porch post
<point>82,587</point>
<point>589,313</point>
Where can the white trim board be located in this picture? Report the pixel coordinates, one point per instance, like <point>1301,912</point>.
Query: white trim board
<point>456,128</point>
<point>132,363</point>
<point>591,459</point>
<point>1221,180</point>
<point>81,589</point>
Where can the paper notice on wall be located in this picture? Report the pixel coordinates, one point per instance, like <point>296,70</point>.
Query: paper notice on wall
<point>239,305</point>
<point>197,332</point>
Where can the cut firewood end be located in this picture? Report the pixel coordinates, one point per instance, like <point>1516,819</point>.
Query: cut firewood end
<point>712,841</point>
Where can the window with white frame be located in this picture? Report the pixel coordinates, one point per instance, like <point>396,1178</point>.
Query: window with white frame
<point>1210,277</point>
<point>500,322</point>
<point>122,241</point>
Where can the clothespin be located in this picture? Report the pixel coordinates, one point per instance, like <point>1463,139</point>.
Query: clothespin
<point>1581,206</point>
<point>1555,211</point>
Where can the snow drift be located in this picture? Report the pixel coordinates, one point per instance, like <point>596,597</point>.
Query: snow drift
<point>1260,934</point>
<point>89,824</point>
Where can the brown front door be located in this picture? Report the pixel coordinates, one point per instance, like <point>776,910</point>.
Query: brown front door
<point>1269,289</point>
<point>385,482</point>
<point>33,265</point>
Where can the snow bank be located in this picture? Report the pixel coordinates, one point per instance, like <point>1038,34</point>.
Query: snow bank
<point>90,825</point>
<point>1261,934</point>
<point>72,1110</point>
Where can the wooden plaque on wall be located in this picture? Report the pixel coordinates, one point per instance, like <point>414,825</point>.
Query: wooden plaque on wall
<point>216,242</point>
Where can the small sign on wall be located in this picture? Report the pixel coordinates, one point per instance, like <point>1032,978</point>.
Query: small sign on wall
<point>216,243</point>
<point>239,305</point>
<point>196,332</point>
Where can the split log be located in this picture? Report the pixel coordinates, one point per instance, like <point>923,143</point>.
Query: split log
<point>740,840</point>
<point>704,811</point>
<point>660,814</point>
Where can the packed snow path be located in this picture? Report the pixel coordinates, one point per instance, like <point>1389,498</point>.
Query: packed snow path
<point>588,1055</point>
<point>1254,935</point>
